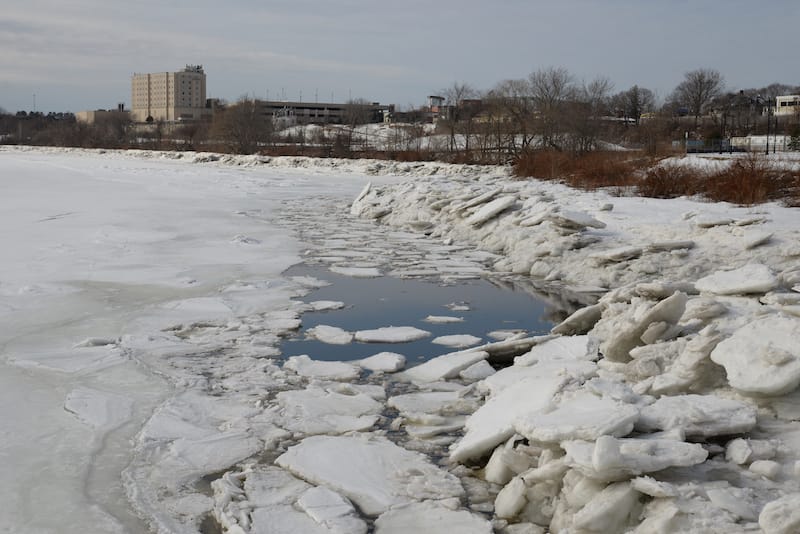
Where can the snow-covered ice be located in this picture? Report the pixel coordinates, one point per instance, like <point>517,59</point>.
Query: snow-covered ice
<point>142,308</point>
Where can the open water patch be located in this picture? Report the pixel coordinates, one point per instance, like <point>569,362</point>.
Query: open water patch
<point>372,303</point>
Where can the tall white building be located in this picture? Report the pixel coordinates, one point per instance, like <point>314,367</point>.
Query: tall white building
<point>169,96</point>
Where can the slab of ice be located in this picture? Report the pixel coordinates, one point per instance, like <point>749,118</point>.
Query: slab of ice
<point>616,255</point>
<point>100,409</point>
<point>430,517</point>
<point>371,471</point>
<point>559,348</point>
<point>326,305</point>
<point>710,221</point>
<point>318,411</point>
<point>477,371</point>
<point>356,272</point>
<point>493,423</point>
<point>491,210</point>
<point>443,319</point>
<point>72,360</point>
<point>431,402</point>
<point>305,366</point>
<point>444,366</point>
<point>752,278</point>
<point>611,459</point>
<point>383,362</point>
<point>330,334</point>
<point>268,501</point>
<point>781,516</point>
<point>502,379</point>
<point>611,510</point>
<point>580,322</point>
<point>698,415</point>
<point>762,357</point>
<point>577,220</point>
<point>332,511</point>
<point>584,416</point>
<point>391,334</point>
<point>457,341</point>
<point>626,332</point>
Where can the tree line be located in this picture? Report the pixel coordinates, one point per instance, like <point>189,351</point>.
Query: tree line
<point>550,109</point>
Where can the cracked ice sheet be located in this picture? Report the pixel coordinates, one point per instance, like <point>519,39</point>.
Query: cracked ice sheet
<point>125,244</point>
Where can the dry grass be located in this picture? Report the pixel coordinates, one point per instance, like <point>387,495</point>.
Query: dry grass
<point>747,181</point>
<point>587,171</point>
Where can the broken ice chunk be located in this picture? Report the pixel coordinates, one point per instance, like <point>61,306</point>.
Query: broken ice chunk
<point>585,416</point>
<point>781,516</point>
<point>391,334</point>
<point>698,415</point>
<point>383,362</point>
<point>430,517</point>
<point>457,341</point>
<point>762,357</point>
<point>752,278</point>
<point>305,366</point>
<point>330,334</point>
<point>332,511</point>
<point>371,471</point>
<point>611,459</point>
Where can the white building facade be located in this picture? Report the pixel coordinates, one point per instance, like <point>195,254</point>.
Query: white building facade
<point>787,105</point>
<point>169,96</point>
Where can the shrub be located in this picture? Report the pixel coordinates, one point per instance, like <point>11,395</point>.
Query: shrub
<point>668,181</point>
<point>590,170</point>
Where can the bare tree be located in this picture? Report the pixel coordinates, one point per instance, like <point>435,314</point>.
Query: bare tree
<point>459,114</point>
<point>358,112</point>
<point>551,89</point>
<point>585,113</point>
<point>243,126</point>
<point>698,88</point>
<point>634,103</point>
<point>513,105</point>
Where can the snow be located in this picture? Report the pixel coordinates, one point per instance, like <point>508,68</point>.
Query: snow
<point>142,307</point>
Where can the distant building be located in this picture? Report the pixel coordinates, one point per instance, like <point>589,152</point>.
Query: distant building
<point>102,115</point>
<point>787,105</point>
<point>170,96</point>
<point>291,113</point>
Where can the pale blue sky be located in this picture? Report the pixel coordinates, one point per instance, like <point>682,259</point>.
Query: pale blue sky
<point>81,54</point>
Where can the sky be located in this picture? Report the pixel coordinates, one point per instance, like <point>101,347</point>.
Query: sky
<point>81,54</point>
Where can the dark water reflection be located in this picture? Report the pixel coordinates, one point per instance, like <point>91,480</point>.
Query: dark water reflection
<point>498,304</point>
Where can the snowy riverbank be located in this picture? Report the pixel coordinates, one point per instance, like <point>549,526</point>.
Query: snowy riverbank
<point>668,406</point>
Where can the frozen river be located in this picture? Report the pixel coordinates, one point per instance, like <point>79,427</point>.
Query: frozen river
<point>145,303</point>
<point>99,247</point>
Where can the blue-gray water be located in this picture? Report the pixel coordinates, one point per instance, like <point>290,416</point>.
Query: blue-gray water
<point>386,301</point>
